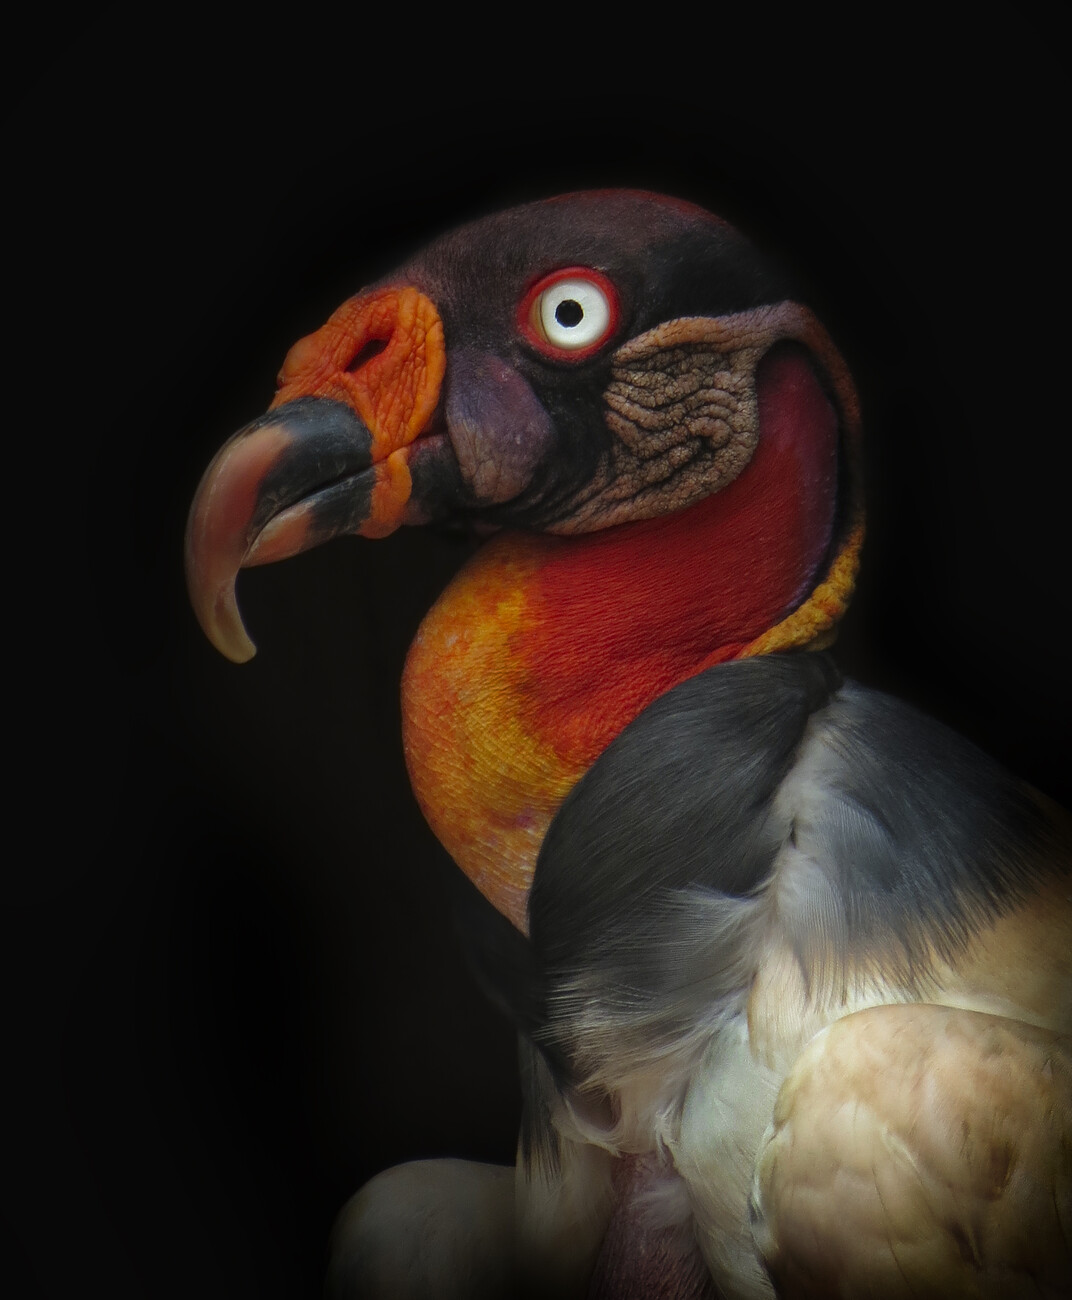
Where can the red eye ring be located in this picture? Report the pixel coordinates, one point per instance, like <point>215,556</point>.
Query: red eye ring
<point>593,313</point>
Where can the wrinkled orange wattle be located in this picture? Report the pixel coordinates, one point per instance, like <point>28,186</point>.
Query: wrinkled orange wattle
<point>383,354</point>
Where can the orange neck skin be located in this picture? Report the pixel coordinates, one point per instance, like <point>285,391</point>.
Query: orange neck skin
<point>544,648</point>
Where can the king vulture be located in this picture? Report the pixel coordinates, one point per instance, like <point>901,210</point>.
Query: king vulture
<point>790,962</point>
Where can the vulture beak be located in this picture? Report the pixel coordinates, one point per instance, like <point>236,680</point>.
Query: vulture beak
<point>330,458</point>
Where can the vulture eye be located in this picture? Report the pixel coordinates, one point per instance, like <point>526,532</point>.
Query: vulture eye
<point>570,314</point>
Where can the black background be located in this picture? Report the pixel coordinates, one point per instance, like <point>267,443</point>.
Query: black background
<point>232,989</point>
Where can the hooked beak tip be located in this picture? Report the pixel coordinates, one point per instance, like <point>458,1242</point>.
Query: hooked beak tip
<point>212,596</point>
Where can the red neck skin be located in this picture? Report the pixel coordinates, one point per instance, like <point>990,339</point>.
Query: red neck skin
<point>619,617</point>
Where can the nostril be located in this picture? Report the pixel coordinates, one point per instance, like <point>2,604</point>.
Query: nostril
<point>371,349</point>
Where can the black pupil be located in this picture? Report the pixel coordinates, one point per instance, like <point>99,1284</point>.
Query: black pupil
<point>569,312</point>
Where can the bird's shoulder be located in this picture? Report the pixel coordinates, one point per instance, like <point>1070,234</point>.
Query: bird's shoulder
<point>767,828</point>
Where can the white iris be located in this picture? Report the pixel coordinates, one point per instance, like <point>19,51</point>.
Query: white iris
<point>574,313</point>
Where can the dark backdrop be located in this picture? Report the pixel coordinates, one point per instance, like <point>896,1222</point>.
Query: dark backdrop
<point>233,992</point>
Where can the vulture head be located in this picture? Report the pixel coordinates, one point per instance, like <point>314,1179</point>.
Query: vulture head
<point>657,441</point>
